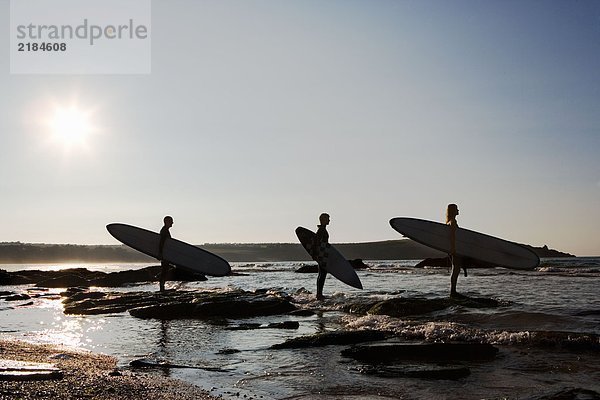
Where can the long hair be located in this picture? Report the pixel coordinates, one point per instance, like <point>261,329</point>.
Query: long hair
<point>451,212</point>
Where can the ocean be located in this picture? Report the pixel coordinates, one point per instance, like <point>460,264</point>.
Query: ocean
<point>560,298</point>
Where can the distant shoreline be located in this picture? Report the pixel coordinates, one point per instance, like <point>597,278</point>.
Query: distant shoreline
<point>403,249</point>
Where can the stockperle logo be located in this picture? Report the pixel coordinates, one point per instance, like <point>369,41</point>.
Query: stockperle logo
<point>80,37</point>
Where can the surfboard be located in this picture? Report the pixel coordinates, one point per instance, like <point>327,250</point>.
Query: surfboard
<point>337,265</point>
<point>475,245</point>
<point>175,251</point>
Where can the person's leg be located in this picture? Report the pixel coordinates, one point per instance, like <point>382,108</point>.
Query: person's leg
<point>456,266</point>
<point>321,282</point>
<point>163,275</point>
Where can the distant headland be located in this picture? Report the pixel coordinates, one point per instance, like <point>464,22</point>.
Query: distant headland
<point>402,249</point>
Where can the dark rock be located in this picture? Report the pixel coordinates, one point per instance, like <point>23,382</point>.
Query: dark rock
<point>17,297</point>
<point>308,269</point>
<point>244,327</point>
<point>165,311</point>
<point>433,353</point>
<point>150,363</point>
<point>275,325</point>
<point>228,351</point>
<point>587,313</point>
<point>5,277</point>
<point>302,313</point>
<point>66,280</point>
<point>331,338</point>
<point>569,394</point>
<point>78,296</point>
<point>227,308</point>
<point>433,373</point>
<point>401,307</point>
<point>106,303</point>
<point>443,262</point>
<point>153,363</point>
<point>545,252</point>
<point>83,277</point>
<point>179,304</point>
<point>284,325</point>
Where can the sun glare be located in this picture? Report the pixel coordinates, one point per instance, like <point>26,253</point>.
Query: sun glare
<point>70,126</point>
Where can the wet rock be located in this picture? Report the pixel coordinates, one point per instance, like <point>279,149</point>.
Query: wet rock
<point>66,280</point>
<point>152,363</point>
<point>402,307</point>
<point>155,363</point>
<point>4,277</point>
<point>91,303</point>
<point>238,307</point>
<point>569,394</point>
<point>308,269</point>
<point>433,373</point>
<point>431,353</point>
<point>244,327</point>
<point>178,304</point>
<point>331,338</point>
<point>586,313</point>
<point>284,325</point>
<point>86,278</point>
<point>275,325</point>
<point>78,296</point>
<point>302,313</point>
<point>17,297</point>
<point>228,351</point>
<point>164,311</point>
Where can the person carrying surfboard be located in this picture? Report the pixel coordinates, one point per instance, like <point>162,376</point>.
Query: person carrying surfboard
<point>457,261</point>
<point>164,235</point>
<point>321,252</point>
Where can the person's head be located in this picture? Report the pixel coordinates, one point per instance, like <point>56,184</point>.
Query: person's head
<point>168,220</point>
<point>324,219</point>
<point>451,212</point>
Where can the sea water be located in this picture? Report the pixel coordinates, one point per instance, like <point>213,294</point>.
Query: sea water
<point>562,295</point>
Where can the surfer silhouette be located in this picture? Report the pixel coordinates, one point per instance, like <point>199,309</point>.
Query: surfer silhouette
<point>164,235</point>
<point>320,252</point>
<point>457,261</point>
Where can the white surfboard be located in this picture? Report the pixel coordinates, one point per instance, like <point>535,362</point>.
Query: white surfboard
<point>175,251</point>
<point>489,249</point>
<point>337,265</point>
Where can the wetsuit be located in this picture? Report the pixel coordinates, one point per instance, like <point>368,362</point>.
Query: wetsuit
<point>164,235</point>
<point>320,254</point>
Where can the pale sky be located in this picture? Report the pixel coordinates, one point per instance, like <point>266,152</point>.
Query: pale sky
<point>258,115</point>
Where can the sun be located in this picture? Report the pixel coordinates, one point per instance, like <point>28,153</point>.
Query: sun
<point>70,126</point>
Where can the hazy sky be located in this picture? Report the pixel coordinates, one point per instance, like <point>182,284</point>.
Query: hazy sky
<point>259,115</point>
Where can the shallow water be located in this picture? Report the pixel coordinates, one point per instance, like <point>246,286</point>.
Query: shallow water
<point>560,296</point>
